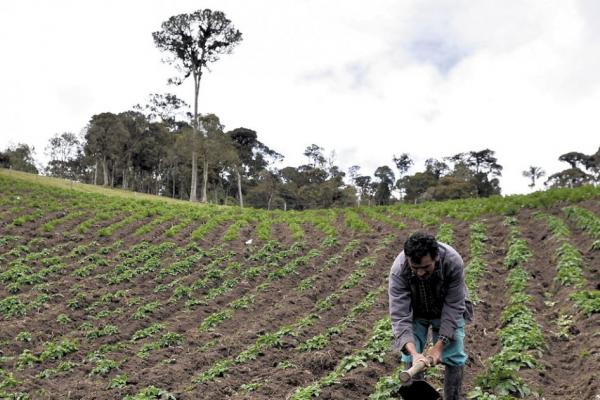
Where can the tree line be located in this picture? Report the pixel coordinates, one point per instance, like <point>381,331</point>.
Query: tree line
<point>161,146</point>
<point>132,151</point>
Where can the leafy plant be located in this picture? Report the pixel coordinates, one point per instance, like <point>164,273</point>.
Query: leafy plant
<point>104,366</point>
<point>587,300</point>
<point>147,332</point>
<point>249,387</point>
<point>151,393</point>
<point>170,339</point>
<point>445,234</point>
<point>106,330</point>
<point>56,350</point>
<point>215,319</point>
<point>118,382</point>
<point>26,359</point>
<point>11,306</point>
<point>216,371</point>
<point>143,311</point>
<point>24,336</point>
<point>315,343</point>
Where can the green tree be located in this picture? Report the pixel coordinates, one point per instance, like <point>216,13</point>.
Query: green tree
<point>569,178</point>
<point>450,187</point>
<point>166,108</point>
<point>574,158</point>
<point>253,157</point>
<point>315,155</point>
<point>484,161</point>
<point>19,157</point>
<point>319,184</point>
<point>363,183</point>
<point>353,174</point>
<point>290,178</point>
<point>216,151</point>
<point>484,170</point>
<point>534,173</point>
<point>148,158</point>
<point>195,40</point>
<point>573,176</point>
<point>105,137</point>
<point>266,191</point>
<point>137,126</point>
<point>403,164</point>
<point>436,168</point>
<point>416,185</point>
<point>63,149</point>
<point>386,178</point>
<point>593,165</point>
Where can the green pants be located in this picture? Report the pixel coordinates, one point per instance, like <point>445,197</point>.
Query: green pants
<point>453,353</point>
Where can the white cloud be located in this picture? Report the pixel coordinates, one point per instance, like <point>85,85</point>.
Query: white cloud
<point>431,78</point>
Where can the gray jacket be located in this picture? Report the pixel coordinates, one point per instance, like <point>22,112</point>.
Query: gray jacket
<point>450,287</point>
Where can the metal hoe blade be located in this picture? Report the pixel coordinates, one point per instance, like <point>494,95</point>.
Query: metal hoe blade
<point>419,390</point>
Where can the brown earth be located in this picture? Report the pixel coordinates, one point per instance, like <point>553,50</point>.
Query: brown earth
<point>174,368</point>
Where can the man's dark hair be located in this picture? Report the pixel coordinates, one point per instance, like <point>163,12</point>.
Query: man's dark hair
<point>419,245</point>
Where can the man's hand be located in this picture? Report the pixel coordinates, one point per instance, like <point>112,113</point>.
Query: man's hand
<point>416,356</point>
<point>436,352</point>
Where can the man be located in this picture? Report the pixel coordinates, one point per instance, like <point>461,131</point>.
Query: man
<point>427,289</point>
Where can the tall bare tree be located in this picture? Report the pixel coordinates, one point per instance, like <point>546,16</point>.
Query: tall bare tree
<point>195,40</point>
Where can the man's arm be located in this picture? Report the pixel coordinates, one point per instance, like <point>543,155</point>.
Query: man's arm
<point>454,303</point>
<point>400,308</point>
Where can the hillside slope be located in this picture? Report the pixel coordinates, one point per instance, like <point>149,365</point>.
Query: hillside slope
<point>108,296</point>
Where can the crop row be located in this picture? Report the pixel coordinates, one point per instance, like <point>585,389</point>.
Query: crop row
<point>375,349</point>
<point>91,333</point>
<point>274,338</point>
<point>570,264</point>
<point>520,335</point>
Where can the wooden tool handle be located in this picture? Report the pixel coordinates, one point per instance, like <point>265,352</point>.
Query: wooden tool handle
<point>419,366</point>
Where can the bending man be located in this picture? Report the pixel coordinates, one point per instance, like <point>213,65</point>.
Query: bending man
<point>427,290</point>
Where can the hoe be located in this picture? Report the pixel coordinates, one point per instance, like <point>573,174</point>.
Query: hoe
<point>418,389</point>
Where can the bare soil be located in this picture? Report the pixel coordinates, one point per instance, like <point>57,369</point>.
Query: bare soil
<point>570,364</point>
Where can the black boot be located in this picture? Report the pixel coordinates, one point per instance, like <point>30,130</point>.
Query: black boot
<point>453,377</point>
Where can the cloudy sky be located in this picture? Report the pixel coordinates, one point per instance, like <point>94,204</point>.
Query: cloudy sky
<point>367,79</point>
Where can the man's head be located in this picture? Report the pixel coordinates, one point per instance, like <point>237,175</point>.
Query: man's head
<point>421,251</point>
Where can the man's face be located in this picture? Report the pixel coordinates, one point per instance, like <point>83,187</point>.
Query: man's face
<point>424,268</point>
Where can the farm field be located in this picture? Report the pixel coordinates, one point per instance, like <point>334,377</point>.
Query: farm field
<point>113,296</point>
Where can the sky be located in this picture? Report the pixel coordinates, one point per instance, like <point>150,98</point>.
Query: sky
<point>367,80</point>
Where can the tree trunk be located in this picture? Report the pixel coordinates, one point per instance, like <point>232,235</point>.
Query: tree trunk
<point>194,185</point>
<point>194,175</point>
<point>105,175</point>
<point>158,178</point>
<point>112,177</point>
<point>269,201</point>
<point>239,184</point>
<point>96,173</point>
<point>126,171</point>
<point>204,180</point>
<point>173,173</point>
